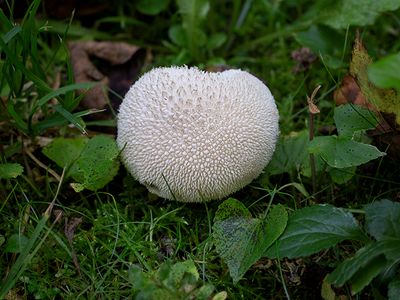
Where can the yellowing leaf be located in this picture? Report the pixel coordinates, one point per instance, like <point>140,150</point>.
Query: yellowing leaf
<point>240,239</point>
<point>385,100</point>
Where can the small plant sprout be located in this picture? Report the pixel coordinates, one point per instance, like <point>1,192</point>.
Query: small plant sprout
<point>194,136</point>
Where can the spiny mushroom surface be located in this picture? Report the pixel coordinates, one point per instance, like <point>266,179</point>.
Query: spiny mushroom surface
<point>193,136</point>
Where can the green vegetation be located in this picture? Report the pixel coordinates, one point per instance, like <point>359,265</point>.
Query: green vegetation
<point>323,220</point>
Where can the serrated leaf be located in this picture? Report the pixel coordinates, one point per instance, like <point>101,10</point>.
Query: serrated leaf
<point>64,151</point>
<point>348,268</point>
<point>97,163</point>
<point>394,288</point>
<point>241,240</point>
<point>357,12</point>
<point>351,118</point>
<point>340,152</point>
<point>10,170</point>
<point>382,219</point>
<point>315,228</point>
<point>385,72</point>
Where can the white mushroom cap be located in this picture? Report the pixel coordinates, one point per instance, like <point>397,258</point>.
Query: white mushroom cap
<point>194,136</point>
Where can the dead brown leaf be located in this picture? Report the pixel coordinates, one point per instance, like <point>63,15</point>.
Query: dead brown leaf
<point>112,57</point>
<point>350,92</point>
<point>357,89</point>
<point>312,107</point>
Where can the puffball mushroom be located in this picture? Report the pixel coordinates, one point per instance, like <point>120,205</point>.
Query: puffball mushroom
<point>193,136</point>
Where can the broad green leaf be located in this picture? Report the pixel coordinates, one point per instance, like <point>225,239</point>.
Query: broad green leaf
<point>385,72</point>
<point>97,163</point>
<point>351,118</point>
<point>315,228</point>
<point>357,12</point>
<point>348,268</point>
<point>216,40</point>
<point>290,154</point>
<point>16,243</point>
<point>151,7</point>
<point>10,170</point>
<point>365,275</point>
<point>382,219</point>
<point>241,240</point>
<point>64,151</point>
<point>394,288</point>
<point>392,249</point>
<point>342,175</point>
<point>321,40</point>
<point>204,292</point>
<point>177,35</point>
<point>340,152</point>
<point>178,271</point>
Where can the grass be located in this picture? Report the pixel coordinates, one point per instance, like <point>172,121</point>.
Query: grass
<point>122,225</point>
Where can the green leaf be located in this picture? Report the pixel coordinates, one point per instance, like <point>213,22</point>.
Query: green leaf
<point>315,228</point>
<point>365,274</point>
<point>178,271</point>
<point>241,240</point>
<point>204,292</point>
<point>290,154</point>
<point>16,243</point>
<point>351,118</point>
<point>394,288</point>
<point>350,266</point>
<point>321,40</point>
<point>385,72</point>
<point>97,164</point>
<point>358,12</point>
<point>10,170</point>
<point>151,7</point>
<point>177,35</point>
<point>391,249</point>
<point>340,152</point>
<point>216,40</point>
<point>64,151</point>
<point>382,219</point>
<point>342,175</point>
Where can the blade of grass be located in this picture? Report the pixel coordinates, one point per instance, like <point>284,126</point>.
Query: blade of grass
<point>58,120</point>
<point>70,117</point>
